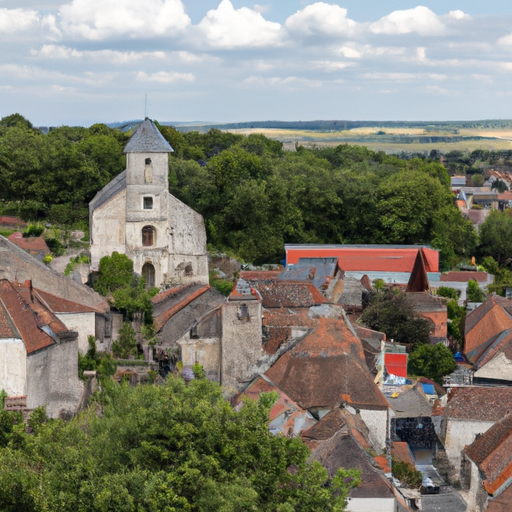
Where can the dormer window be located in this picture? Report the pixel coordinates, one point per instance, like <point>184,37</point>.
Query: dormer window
<point>147,203</point>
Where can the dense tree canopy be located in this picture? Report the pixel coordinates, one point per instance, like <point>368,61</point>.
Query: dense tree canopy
<point>254,196</point>
<point>165,448</point>
<point>432,361</point>
<point>390,313</point>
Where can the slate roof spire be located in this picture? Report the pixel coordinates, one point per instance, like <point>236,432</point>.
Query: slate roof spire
<point>147,139</point>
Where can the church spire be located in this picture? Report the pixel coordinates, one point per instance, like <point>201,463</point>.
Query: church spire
<point>147,139</point>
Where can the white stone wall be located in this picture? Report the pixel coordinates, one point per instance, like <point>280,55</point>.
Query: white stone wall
<point>377,422</point>
<point>460,433</point>
<point>371,505</point>
<point>204,351</point>
<point>108,228</point>
<point>241,344</point>
<point>82,323</point>
<point>499,367</point>
<point>52,379</point>
<point>13,370</point>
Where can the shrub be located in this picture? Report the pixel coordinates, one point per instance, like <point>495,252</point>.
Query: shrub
<point>126,345</point>
<point>47,259</point>
<point>33,230</point>
<point>408,475</point>
<point>450,293</point>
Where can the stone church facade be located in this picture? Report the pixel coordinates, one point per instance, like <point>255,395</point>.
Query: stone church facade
<point>136,215</point>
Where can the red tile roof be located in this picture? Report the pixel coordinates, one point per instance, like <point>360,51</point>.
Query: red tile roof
<point>161,319</point>
<point>326,368</point>
<point>478,403</point>
<point>157,299</point>
<point>288,294</point>
<point>32,244</point>
<point>12,221</point>
<point>484,323</point>
<point>502,502</point>
<point>464,277</point>
<point>401,451</point>
<point>29,319</point>
<point>492,452</point>
<point>369,258</point>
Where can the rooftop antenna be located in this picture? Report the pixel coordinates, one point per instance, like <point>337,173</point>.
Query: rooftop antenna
<point>146,106</point>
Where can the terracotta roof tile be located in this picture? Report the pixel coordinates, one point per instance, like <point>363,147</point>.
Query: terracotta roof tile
<point>31,244</point>
<point>502,502</point>
<point>484,323</point>
<point>492,452</point>
<point>326,368</point>
<point>400,450</point>
<point>165,315</point>
<point>7,329</point>
<point>12,221</point>
<point>464,277</point>
<point>27,321</point>
<point>259,275</point>
<point>288,294</point>
<point>479,403</point>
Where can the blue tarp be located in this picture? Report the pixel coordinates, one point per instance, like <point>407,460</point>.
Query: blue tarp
<point>428,389</point>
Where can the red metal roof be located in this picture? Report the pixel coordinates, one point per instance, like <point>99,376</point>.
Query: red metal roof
<point>376,258</point>
<point>396,364</point>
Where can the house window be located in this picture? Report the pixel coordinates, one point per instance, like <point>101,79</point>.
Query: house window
<point>148,273</point>
<point>148,236</point>
<point>148,203</point>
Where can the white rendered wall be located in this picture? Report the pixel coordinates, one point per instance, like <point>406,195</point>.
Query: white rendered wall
<point>82,323</point>
<point>13,369</point>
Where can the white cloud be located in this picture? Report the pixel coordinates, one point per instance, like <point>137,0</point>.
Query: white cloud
<point>226,27</point>
<point>165,77</point>
<point>291,81</point>
<point>102,19</point>
<point>328,65</point>
<point>457,15</point>
<point>15,20</point>
<point>420,19</point>
<point>395,77</point>
<point>350,53</point>
<point>262,8</point>
<point>321,18</point>
<point>53,51</point>
<point>505,40</point>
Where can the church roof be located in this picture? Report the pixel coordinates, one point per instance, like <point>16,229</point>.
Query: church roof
<point>147,139</point>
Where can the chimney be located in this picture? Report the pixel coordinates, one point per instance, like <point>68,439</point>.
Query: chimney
<point>28,284</point>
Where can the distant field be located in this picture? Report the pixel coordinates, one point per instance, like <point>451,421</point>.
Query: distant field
<point>395,139</point>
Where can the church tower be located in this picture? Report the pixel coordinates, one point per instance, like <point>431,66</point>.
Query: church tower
<point>147,205</point>
<point>136,215</point>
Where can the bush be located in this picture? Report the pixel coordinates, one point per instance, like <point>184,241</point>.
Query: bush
<point>408,475</point>
<point>47,259</point>
<point>33,230</point>
<point>474,293</point>
<point>450,293</point>
<point>74,262</point>
<point>126,345</point>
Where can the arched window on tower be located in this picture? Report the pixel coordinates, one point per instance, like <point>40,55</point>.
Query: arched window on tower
<point>148,273</point>
<point>148,236</point>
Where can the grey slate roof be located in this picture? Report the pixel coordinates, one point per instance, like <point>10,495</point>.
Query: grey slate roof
<point>106,193</point>
<point>147,139</point>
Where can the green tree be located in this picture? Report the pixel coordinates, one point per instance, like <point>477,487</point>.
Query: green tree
<point>457,317</point>
<point>432,361</point>
<point>116,271</point>
<point>172,447</point>
<point>473,292</point>
<point>126,345</point>
<point>477,180</point>
<point>450,293</point>
<point>390,313</point>
<point>499,186</point>
<point>496,236</point>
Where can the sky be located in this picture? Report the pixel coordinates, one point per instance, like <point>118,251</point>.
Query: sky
<point>79,62</point>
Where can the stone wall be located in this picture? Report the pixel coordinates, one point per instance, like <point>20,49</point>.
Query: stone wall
<point>205,351</point>
<point>52,379</point>
<point>82,323</point>
<point>13,370</point>
<point>17,265</point>
<point>241,343</point>
<point>455,434</point>
<point>108,228</point>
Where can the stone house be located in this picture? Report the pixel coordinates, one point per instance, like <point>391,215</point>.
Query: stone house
<point>136,215</point>
<point>38,354</point>
<point>488,468</point>
<point>469,412</point>
<point>17,265</point>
